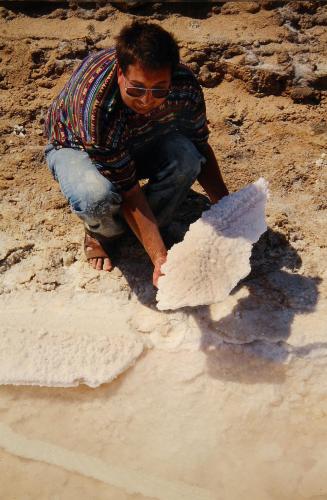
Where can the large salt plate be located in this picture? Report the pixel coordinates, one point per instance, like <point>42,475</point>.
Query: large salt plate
<point>215,253</point>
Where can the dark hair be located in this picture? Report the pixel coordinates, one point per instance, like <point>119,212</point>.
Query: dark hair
<point>147,44</point>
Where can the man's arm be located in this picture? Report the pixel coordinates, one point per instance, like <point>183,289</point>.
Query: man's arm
<point>141,220</point>
<point>210,177</point>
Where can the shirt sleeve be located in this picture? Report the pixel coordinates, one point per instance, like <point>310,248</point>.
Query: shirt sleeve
<point>194,122</point>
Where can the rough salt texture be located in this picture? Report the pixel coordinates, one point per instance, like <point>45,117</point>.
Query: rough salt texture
<point>59,342</point>
<point>60,361</point>
<point>214,255</point>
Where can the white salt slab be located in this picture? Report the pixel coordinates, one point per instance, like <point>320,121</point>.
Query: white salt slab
<point>58,340</point>
<point>214,255</point>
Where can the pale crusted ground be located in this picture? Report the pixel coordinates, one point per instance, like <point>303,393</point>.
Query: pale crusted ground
<point>235,391</point>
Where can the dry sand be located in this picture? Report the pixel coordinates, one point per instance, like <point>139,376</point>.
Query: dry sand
<point>221,402</point>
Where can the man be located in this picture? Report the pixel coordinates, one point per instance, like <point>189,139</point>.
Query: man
<point>129,113</point>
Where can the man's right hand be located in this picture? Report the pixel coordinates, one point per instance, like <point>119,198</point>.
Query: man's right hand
<point>141,220</point>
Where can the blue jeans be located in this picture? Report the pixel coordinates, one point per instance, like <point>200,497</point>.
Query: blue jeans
<point>171,164</point>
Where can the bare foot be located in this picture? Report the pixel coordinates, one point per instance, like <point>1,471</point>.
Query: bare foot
<point>101,264</point>
<point>96,255</point>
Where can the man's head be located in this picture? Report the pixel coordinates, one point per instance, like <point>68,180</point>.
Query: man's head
<point>147,56</point>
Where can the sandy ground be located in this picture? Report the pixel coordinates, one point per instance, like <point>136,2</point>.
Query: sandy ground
<point>222,402</point>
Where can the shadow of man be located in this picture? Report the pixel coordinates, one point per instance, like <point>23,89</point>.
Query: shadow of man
<point>249,344</point>
<point>244,337</point>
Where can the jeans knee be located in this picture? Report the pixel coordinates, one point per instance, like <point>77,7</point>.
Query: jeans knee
<point>96,199</point>
<point>188,159</point>
<point>188,169</point>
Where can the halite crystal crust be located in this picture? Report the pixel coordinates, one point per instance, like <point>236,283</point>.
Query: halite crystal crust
<point>214,255</point>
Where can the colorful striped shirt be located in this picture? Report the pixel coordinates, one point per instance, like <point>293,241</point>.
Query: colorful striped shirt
<point>89,114</point>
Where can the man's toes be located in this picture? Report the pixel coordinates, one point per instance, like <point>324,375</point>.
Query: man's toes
<point>107,266</point>
<point>99,264</point>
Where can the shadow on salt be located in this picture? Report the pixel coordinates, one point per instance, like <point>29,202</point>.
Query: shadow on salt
<point>245,337</point>
<point>250,344</point>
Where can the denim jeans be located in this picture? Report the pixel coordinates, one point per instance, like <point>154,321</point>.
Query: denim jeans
<point>171,164</point>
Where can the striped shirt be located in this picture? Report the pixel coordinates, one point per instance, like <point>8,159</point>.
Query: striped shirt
<point>89,114</point>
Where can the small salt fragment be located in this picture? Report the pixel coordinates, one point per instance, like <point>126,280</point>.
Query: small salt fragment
<point>68,259</point>
<point>322,161</point>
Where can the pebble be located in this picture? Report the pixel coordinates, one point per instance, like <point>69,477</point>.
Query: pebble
<point>68,259</point>
<point>19,130</point>
<point>251,59</point>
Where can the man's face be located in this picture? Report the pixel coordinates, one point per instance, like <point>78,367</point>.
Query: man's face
<point>137,76</point>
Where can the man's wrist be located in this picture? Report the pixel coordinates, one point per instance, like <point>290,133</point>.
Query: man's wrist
<point>214,198</point>
<point>160,257</point>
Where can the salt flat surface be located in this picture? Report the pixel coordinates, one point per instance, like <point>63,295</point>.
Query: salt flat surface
<point>180,424</point>
<point>226,387</point>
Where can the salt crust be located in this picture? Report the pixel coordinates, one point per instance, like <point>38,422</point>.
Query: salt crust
<point>61,341</point>
<point>214,255</point>
<point>132,481</point>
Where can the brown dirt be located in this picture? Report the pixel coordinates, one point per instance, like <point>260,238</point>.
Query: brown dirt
<point>264,79</point>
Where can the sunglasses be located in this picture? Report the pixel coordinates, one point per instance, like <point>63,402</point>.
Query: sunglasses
<point>142,91</point>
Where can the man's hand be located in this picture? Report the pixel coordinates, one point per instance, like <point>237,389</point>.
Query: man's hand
<point>141,220</point>
<point>157,269</point>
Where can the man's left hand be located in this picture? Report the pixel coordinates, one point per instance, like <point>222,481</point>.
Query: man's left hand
<point>157,269</point>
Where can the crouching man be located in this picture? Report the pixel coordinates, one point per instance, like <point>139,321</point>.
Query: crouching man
<point>128,113</point>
